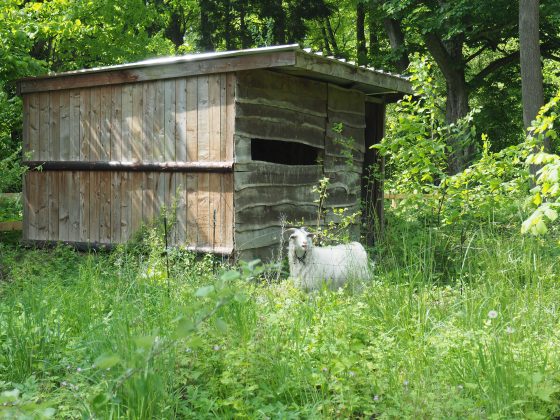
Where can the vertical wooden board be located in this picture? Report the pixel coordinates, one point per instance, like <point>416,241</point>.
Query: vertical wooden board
<point>223,116</point>
<point>204,231</point>
<point>85,146</point>
<point>104,207</point>
<point>43,206</point>
<point>161,192</point>
<point>116,124</point>
<point>169,111</point>
<point>85,208</point>
<point>73,200</point>
<point>44,126</point>
<point>116,207</point>
<point>53,181</point>
<point>74,126</point>
<point>125,204</point>
<point>148,123</point>
<point>214,195</point>
<point>229,221</point>
<point>25,201</point>
<point>26,115</point>
<point>191,189</point>
<point>170,208</point>
<point>31,204</point>
<point>94,205</point>
<point>181,120</point>
<point>105,120</point>
<point>159,121</point>
<point>34,113</point>
<point>137,119</point>
<point>63,205</point>
<point>203,137</point>
<point>136,180</point>
<point>214,118</point>
<point>64,153</point>
<point>230,111</point>
<point>95,153</point>
<point>192,119</point>
<point>54,126</point>
<point>181,221</point>
<point>148,204</point>
<point>127,122</point>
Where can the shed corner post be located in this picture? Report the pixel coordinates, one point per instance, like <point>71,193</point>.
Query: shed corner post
<point>373,216</point>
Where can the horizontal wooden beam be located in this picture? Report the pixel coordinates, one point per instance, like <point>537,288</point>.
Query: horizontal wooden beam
<point>9,226</point>
<point>115,166</point>
<point>97,246</point>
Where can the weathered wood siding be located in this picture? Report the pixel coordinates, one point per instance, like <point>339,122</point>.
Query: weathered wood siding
<point>174,120</point>
<point>344,151</point>
<point>273,106</point>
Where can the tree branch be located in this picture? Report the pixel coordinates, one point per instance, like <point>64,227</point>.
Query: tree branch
<point>444,60</point>
<point>477,80</point>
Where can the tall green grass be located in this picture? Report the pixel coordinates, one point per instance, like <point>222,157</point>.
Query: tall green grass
<point>444,329</point>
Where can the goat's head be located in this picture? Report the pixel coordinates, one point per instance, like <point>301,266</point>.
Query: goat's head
<point>300,240</point>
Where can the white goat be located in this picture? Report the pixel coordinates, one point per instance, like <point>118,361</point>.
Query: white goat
<point>311,266</point>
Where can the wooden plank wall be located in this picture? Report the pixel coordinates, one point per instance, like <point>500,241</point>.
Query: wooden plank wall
<point>346,107</point>
<point>274,106</point>
<point>173,120</point>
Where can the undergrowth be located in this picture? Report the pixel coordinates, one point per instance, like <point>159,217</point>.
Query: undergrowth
<point>444,329</point>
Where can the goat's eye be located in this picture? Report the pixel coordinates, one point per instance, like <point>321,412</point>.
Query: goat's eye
<point>292,236</point>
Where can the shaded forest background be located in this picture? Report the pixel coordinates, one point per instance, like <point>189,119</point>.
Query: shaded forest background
<point>474,45</point>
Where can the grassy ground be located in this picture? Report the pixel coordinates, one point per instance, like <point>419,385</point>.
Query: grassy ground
<point>443,330</point>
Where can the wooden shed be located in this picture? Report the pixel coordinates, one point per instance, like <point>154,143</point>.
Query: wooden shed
<point>228,141</point>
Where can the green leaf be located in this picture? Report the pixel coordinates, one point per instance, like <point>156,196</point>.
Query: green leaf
<point>204,291</point>
<point>551,214</point>
<point>537,199</point>
<point>106,361</point>
<point>230,275</point>
<point>146,341</point>
<point>222,325</point>
<point>541,228</point>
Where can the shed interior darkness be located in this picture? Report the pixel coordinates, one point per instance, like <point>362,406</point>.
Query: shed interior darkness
<point>284,152</point>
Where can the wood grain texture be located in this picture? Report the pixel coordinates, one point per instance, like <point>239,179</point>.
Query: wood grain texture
<point>105,128</point>
<point>44,126</point>
<point>203,129</point>
<point>181,120</point>
<point>34,123</point>
<point>127,122</point>
<point>63,205</point>
<point>170,121</point>
<point>192,208</point>
<point>53,123</point>
<point>137,138</point>
<point>73,127</point>
<point>85,208</point>
<point>85,131</point>
<point>126,206</point>
<point>73,192</point>
<point>149,124</point>
<point>116,123</point>
<point>192,119</point>
<point>159,121</point>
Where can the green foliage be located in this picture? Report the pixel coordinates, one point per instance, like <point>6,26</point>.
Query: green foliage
<point>91,336</point>
<point>490,190</point>
<point>546,196</point>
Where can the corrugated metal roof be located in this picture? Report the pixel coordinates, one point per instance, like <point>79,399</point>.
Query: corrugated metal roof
<point>302,62</point>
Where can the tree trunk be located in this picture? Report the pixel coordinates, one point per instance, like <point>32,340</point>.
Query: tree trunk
<point>332,39</point>
<point>205,42</point>
<point>396,40</point>
<point>361,34</point>
<point>450,60</point>
<point>245,37</point>
<point>530,57</point>
<point>174,30</point>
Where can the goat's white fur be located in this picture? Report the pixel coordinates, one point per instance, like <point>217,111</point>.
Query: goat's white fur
<point>311,266</point>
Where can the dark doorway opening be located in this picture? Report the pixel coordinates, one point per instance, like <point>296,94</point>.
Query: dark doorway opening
<point>284,152</point>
